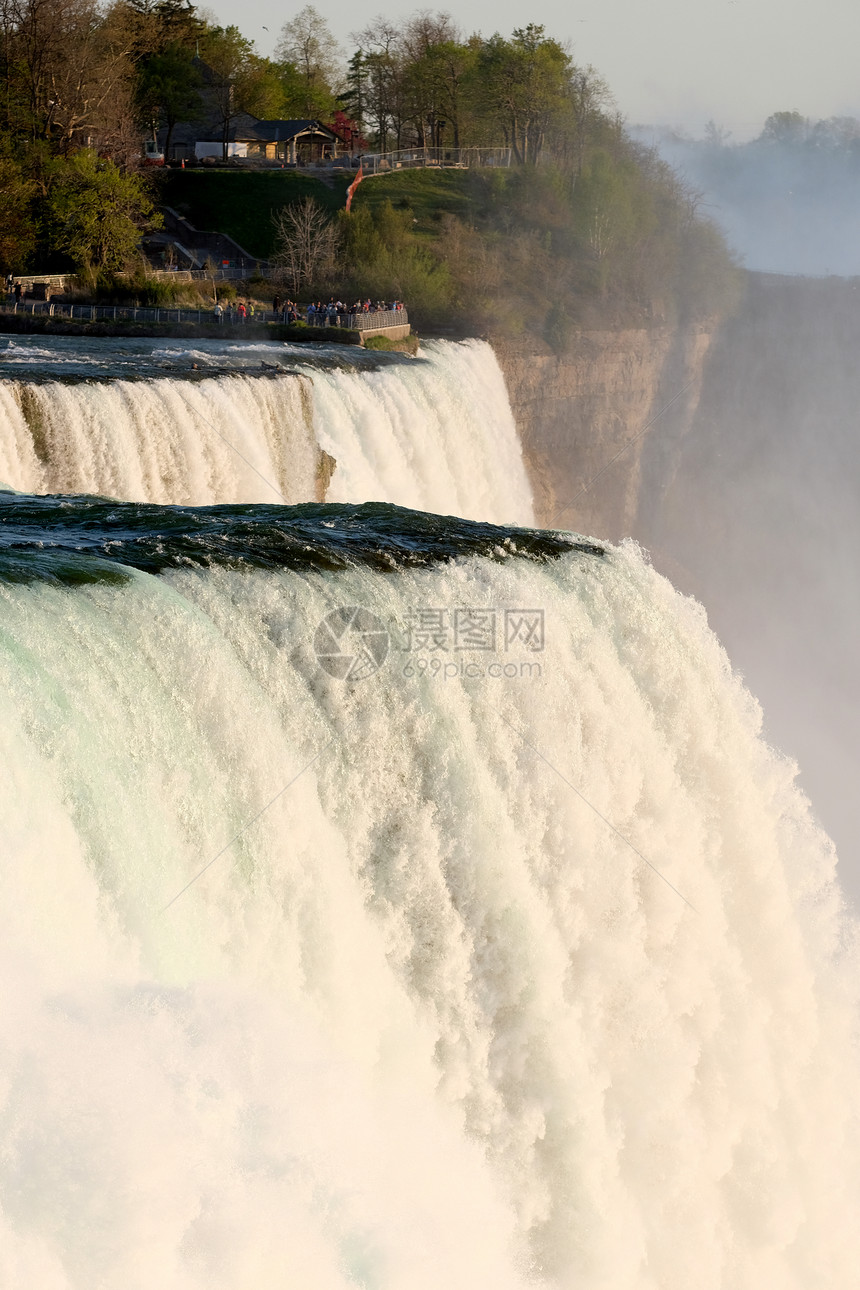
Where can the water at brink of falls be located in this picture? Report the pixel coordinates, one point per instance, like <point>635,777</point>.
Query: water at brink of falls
<point>405,903</point>
<point>157,421</point>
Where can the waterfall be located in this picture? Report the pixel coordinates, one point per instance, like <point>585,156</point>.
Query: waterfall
<point>516,959</point>
<point>435,433</point>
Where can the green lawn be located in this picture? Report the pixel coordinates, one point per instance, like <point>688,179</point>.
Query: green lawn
<point>242,203</point>
<point>429,192</point>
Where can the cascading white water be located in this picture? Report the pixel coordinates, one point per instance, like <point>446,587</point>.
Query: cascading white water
<point>426,1020</point>
<point>435,434</point>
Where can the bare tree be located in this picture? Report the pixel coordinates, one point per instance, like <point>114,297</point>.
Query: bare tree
<point>307,243</point>
<point>591,98</point>
<point>306,42</point>
<point>75,67</point>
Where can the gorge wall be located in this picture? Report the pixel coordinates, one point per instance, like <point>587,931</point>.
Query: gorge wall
<point>578,412</point>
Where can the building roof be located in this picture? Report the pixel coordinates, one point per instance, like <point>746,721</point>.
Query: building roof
<point>278,131</point>
<point>245,128</point>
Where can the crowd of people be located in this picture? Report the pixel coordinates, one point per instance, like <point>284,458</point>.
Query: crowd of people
<point>242,312</point>
<point>316,314</point>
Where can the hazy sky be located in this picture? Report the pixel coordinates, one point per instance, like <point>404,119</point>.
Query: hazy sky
<point>677,61</point>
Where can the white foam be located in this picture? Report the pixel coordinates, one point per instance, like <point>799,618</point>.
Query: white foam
<point>428,1020</point>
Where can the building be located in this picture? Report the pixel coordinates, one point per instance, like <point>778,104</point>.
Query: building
<point>295,143</point>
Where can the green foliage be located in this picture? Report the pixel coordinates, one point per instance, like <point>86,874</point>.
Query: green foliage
<point>168,88</point>
<point>17,232</point>
<point>310,58</point>
<point>597,225</point>
<point>382,258</point>
<point>543,249</point>
<point>409,344</point>
<point>605,212</point>
<point>95,213</point>
<point>524,85</point>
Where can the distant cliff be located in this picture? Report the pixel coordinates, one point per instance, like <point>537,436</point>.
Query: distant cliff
<point>585,418</point>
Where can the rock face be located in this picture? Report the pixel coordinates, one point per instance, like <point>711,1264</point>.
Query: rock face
<point>600,424</point>
<point>326,466</point>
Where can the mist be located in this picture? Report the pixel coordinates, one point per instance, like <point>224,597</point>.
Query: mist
<point>757,513</point>
<point>786,201</point>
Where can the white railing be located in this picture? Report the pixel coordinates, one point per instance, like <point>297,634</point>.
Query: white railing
<point>382,163</point>
<point>374,321</point>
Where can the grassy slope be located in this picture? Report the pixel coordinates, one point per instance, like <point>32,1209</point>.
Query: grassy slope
<point>242,203</point>
<point>431,193</point>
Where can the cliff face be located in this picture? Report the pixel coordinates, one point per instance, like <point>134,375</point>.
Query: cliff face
<point>600,424</point>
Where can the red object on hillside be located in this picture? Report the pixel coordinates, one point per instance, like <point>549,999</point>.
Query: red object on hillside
<point>353,186</point>
<point>348,132</point>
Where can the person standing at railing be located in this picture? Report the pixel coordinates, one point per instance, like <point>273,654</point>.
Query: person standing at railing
<point>219,312</point>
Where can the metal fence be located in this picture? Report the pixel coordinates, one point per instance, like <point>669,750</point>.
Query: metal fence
<point>374,321</point>
<point>382,163</point>
<point>210,275</point>
<point>134,313</point>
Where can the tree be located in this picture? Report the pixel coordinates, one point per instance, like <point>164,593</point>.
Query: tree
<point>227,53</point>
<point>17,234</point>
<point>259,89</point>
<point>524,84</point>
<point>168,90</point>
<point>354,96</point>
<point>717,136</point>
<point>72,66</point>
<point>383,64</point>
<point>422,40</point>
<point>307,46</point>
<point>590,95</point>
<point>307,243</point>
<point>604,210</point>
<point>96,212</point>
<point>785,127</point>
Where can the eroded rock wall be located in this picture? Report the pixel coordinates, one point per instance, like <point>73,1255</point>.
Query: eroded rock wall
<point>600,424</point>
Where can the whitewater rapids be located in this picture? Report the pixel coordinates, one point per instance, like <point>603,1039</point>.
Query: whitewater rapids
<point>158,422</point>
<point>528,977</point>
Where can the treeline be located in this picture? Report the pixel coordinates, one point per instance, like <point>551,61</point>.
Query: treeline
<point>789,196</point>
<point>584,214</point>
<point>586,222</point>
